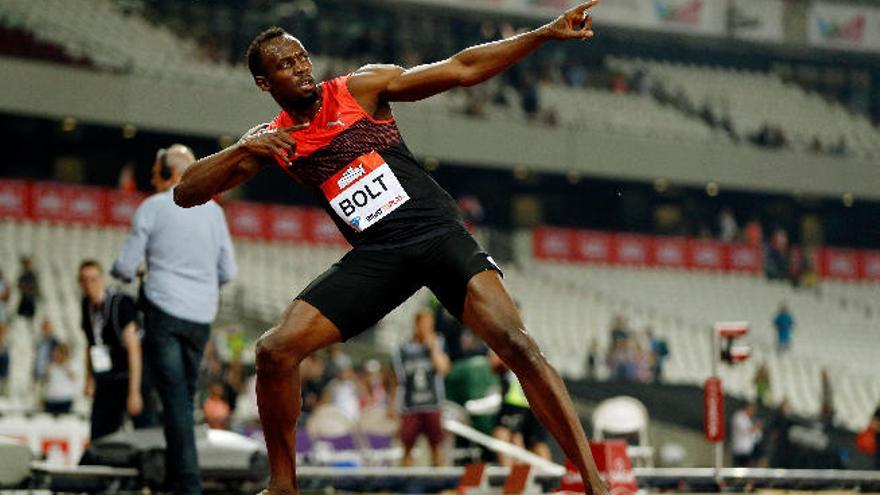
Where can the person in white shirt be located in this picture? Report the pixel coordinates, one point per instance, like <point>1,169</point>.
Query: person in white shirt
<point>746,432</point>
<point>60,382</point>
<point>189,256</point>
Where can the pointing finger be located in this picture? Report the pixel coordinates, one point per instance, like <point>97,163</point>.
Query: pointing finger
<point>580,9</point>
<point>296,127</point>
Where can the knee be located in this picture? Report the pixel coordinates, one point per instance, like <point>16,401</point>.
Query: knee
<point>275,353</point>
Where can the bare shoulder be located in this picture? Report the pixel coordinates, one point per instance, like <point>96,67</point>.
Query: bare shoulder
<point>372,79</point>
<point>368,86</point>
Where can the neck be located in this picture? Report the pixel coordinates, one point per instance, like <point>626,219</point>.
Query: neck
<point>305,109</point>
<point>98,300</point>
<point>165,186</point>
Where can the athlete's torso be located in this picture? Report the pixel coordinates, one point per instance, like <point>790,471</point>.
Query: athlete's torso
<point>365,176</point>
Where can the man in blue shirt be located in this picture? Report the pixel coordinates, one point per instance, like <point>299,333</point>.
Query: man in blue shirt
<point>784,322</point>
<point>189,256</point>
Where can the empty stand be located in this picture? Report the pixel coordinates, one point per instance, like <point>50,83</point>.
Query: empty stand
<point>753,99</point>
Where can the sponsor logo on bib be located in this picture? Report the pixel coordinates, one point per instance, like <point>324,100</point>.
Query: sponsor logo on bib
<point>364,191</point>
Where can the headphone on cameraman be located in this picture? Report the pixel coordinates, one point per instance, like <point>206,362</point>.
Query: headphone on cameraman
<point>165,171</point>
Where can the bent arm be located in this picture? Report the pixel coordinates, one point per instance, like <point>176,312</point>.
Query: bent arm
<point>135,358</point>
<point>440,359</point>
<point>214,174</point>
<point>126,265</point>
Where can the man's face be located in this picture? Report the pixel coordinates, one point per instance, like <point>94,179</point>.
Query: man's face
<point>288,72</point>
<point>91,282</point>
<point>424,327</point>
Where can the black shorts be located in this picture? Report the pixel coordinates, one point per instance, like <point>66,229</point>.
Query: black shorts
<point>367,284</point>
<point>522,420</point>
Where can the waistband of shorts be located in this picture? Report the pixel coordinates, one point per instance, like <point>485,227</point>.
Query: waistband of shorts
<point>440,231</point>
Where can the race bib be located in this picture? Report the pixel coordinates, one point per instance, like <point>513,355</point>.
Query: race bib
<point>364,192</point>
<point>101,362</point>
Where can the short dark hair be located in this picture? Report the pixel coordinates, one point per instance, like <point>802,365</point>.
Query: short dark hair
<point>255,52</point>
<point>91,264</point>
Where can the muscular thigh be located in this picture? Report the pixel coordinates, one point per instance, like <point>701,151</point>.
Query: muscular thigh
<point>360,289</point>
<point>451,262</point>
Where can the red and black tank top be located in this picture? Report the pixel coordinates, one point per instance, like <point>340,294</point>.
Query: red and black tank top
<point>365,176</point>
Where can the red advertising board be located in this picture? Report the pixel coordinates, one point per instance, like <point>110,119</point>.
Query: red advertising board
<point>869,265</point>
<point>287,223</point>
<point>671,252</point>
<point>613,464</point>
<point>322,230</point>
<point>66,203</point>
<point>24,200</point>
<point>632,249</point>
<point>14,199</point>
<point>707,254</point>
<point>553,244</point>
<point>121,206</point>
<point>713,410</point>
<point>744,258</point>
<point>839,263</point>
<point>591,246</point>
<point>247,220</point>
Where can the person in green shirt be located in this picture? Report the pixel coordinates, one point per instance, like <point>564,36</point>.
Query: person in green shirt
<point>516,422</point>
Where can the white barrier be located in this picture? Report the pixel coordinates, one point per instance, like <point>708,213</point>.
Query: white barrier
<point>61,440</point>
<point>509,449</point>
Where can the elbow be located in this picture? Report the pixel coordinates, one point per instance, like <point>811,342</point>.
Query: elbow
<point>469,77</point>
<point>464,73</point>
<point>183,198</point>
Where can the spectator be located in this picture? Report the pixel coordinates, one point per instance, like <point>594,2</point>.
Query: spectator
<point>618,360</point>
<point>4,298</point>
<point>875,424</point>
<point>216,409</point>
<point>619,330</point>
<point>784,324</point>
<point>337,360</point>
<point>641,362</point>
<point>826,393</point>
<point>345,391</point>
<point>745,436</point>
<point>780,453</point>
<point>4,360</point>
<point>419,367</point>
<point>618,84</point>
<point>375,384</point>
<point>28,285</point>
<point>60,382</point>
<point>516,423</point>
<point>181,295</point>
<point>114,360</point>
<point>529,95</point>
<point>592,358</point>
<point>660,352</point>
<point>728,230</point>
<point>762,384</point>
<point>754,233</point>
<point>233,382</point>
<point>43,350</point>
<point>315,378</point>
<point>777,266</point>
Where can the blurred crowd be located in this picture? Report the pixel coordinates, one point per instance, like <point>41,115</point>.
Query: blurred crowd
<point>633,356</point>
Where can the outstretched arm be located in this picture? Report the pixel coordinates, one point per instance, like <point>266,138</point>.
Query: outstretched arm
<point>236,164</point>
<point>375,85</point>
